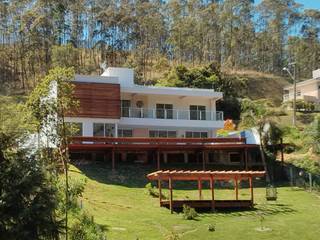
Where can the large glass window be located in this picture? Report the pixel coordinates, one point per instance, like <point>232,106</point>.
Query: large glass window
<point>98,129</point>
<point>125,108</point>
<point>124,132</point>
<point>197,112</point>
<point>164,111</point>
<point>103,129</point>
<point>162,134</point>
<point>190,134</point>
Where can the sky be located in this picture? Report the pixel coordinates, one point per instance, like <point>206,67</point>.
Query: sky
<point>307,3</point>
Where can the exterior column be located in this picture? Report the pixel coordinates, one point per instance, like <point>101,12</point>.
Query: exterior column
<point>160,191</point>
<point>212,193</point>
<point>251,190</point>
<point>186,157</point>
<point>236,188</point>
<point>203,161</point>
<point>200,188</point>
<point>158,160</point>
<point>165,157</point>
<point>246,158</point>
<point>116,130</point>
<point>170,195</point>
<point>113,160</point>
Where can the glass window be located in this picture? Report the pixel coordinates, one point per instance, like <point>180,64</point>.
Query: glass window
<point>188,134</point>
<point>234,157</point>
<point>153,134</point>
<point>197,112</point>
<point>125,108</point>
<point>98,129</point>
<point>109,130</point>
<point>196,134</point>
<point>163,134</point>
<point>204,134</point>
<point>164,111</point>
<point>124,132</point>
<point>172,134</point>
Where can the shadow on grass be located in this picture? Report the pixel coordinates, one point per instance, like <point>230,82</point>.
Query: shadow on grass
<point>134,176</point>
<point>261,209</point>
<point>129,175</point>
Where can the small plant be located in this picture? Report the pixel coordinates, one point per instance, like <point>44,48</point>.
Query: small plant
<point>211,228</point>
<point>189,213</point>
<point>151,190</point>
<point>173,236</point>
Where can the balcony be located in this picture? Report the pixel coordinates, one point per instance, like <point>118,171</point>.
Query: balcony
<point>174,114</point>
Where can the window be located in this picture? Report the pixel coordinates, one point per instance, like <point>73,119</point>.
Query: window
<point>162,134</point>
<point>74,129</point>
<point>234,157</point>
<point>197,112</point>
<point>164,111</point>
<point>298,93</point>
<point>98,129</point>
<point>125,133</point>
<point>190,134</point>
<point>103,129</point>
<point>125,108</point>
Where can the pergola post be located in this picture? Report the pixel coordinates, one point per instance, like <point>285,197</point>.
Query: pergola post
<point>251,190</point>
<point>236,187</point>
<point>158,160</point>
<point>160,191</point>
<point>170,193</point>
<point>200,188</point>
<point>113,160</point>
<point>212,192</point>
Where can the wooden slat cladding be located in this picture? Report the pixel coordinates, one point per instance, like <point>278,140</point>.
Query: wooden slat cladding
<point>99,100</point>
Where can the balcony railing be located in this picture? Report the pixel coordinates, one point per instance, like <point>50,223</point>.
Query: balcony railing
<point>176,114</point>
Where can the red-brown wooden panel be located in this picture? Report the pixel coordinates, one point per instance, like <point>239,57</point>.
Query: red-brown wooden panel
<point>100,100</point>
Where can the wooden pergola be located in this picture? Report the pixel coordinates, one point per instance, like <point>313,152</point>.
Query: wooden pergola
<point>158,145</point>
<point>201,176</point>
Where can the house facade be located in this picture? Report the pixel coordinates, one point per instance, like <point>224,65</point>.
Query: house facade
<point>308,90</point>
<point>111,106</point>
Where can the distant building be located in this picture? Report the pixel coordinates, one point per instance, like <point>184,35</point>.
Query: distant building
<point>308,90</point>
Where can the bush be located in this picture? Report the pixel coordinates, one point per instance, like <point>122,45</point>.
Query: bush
<point>153,191</point>
<point>86,229</point>
<point>211,228</point>
<point>189,213</point>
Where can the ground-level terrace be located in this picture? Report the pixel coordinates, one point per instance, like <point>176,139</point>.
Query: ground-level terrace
<point>201,153</point>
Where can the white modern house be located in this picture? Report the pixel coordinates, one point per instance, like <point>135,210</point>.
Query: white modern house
<point>112,105</point>
<point>308,90</point>
<point>121,121</point>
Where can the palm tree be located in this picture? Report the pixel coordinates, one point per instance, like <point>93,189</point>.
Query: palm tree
<point>258,114</point>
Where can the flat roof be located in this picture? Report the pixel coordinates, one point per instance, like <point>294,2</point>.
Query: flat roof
<point>203,175</point>
<point>158,90</point>
<point>306,82</point>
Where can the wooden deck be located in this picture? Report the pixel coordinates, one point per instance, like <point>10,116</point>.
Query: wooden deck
<point>208,204</point>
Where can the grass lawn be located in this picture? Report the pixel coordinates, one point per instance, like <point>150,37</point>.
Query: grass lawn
<point>119,202</point>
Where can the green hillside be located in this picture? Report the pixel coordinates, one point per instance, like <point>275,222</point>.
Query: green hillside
<point>119,202</point>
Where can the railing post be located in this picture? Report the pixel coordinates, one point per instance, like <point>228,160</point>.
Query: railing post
<point>177,113</point>
<point>129,112</point>
<point>165,113</point>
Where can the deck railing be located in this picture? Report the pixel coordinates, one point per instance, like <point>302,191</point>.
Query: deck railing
<point>176,114</point>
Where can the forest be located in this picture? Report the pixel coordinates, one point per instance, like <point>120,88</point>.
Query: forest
<point>153,36</point>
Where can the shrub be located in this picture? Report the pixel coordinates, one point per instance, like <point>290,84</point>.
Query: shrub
<point>211,228</point>
<point>153,191</point>
<point>86,229</point>
<point>189,213</point>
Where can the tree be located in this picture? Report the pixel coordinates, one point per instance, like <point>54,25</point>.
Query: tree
<point>259,115</point>
<point>49,103</point>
